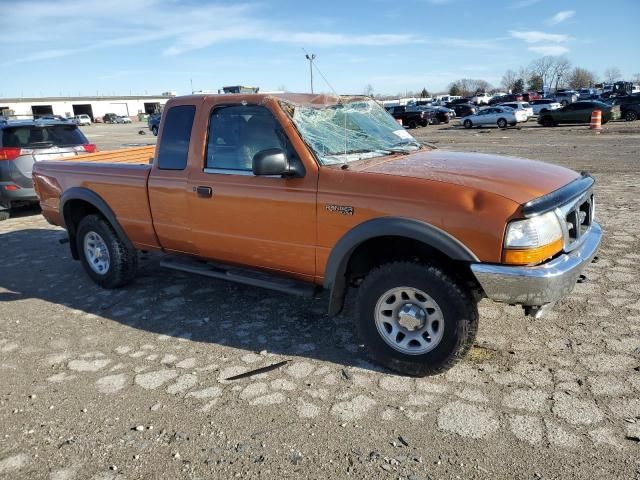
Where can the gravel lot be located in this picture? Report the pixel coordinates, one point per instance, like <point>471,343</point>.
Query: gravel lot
<point>132,383</point>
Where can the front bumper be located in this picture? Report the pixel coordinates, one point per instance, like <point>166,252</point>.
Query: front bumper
<point>541,284</point>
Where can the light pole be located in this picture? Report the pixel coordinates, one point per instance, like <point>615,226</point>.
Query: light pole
<point>311,58</point>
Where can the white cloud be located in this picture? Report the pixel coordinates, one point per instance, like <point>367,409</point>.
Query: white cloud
<point>523,3</point>
<point>536,37</point>
<point>175,27</point>
<point>549,49</point>
<point>560,17</point>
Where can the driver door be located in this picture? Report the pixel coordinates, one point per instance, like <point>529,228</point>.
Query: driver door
<point>266,222</point>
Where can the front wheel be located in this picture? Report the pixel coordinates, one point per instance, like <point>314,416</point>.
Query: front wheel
<point>104,256</point>
<point>414,318</point>
<point>468,124</point>
<point>631,116</point>
<point>502,123</point>
<point>413,124</point>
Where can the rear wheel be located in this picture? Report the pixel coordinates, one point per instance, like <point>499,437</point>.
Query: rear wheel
<point>414,318</point>
<point>413,124</point>
<point>104,256</point>
<point>502,123</point>
<point>467,124</point>
<point>631,116</point>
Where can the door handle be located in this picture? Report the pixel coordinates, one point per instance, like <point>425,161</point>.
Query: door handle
<point>204,192</point>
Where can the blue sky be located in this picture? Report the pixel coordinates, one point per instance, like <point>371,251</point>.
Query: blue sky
<point>84,47</point>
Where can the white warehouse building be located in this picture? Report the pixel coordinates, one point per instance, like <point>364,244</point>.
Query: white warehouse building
<point>95,107</point>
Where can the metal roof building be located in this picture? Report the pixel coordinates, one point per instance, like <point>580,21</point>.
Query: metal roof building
<point>94,106</point>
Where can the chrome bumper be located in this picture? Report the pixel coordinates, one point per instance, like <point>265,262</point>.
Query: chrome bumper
<point>541,284</point>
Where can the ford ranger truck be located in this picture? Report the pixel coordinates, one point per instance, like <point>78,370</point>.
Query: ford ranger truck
<point>300,193</point>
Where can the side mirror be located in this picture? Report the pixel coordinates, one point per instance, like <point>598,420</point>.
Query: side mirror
<point>272,161</point>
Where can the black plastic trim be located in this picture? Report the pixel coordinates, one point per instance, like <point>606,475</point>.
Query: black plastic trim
<point>558,197</point>
<point>89,196</point>
<point>335,272</point>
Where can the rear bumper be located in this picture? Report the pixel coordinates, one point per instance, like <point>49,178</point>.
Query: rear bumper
<point>7,197</point>
<point>541,284</point>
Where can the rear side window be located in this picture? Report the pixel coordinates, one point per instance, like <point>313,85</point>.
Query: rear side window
<point>45,136</point>
<point>174,144</point>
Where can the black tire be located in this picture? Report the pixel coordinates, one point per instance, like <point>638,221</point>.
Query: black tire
<point>564,103</point>
<point>513,124</point>
<point>631,116</point>
<point>436,121</point>
<point>154,130</point>
<point>467,124</point>
<point>4,215</point>
<point>413,124</point>
<point>458,307</point>
<point>547,121</point>
<point>123,261</point>
<point>502,123</point>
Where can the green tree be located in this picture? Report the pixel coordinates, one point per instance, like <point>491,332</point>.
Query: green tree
<point>518,86</point>
<point>454,89</point>
<point>424,93</point>
<point>535,82</point>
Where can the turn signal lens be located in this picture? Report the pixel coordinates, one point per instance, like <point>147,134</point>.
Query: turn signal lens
<point>531,256</point>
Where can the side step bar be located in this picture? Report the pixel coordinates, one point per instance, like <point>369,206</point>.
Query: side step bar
<point>239,275</point>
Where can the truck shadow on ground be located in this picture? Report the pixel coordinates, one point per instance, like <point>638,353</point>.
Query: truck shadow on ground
<point>164,302</point>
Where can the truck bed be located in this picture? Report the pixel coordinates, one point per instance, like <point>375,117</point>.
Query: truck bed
<point>131,155</point>
<point>119,177</point>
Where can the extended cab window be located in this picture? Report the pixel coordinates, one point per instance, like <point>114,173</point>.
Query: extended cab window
<point>237,133</point>
<point>174,144</point>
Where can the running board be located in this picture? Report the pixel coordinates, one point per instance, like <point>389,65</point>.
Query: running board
<point>254,278</point>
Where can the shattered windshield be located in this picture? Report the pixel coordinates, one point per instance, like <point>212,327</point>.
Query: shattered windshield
<point>346,132</point>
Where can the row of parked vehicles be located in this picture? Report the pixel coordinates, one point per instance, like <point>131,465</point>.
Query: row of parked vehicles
<point>549,112</point>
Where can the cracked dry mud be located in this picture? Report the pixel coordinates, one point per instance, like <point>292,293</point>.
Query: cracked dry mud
<point>133,383</point>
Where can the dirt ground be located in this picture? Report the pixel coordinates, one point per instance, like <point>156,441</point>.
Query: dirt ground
<point>132,383</point>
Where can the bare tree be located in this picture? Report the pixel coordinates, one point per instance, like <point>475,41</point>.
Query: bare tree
<point>469,86</point>
<point>368,90</point>
<point>543,68</point>
<point>612,74</point>
<point>509,79</point>
<point>581,77</point>
<point>560,71</point>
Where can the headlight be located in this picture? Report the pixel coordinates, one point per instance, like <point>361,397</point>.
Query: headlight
<point>532,240</point>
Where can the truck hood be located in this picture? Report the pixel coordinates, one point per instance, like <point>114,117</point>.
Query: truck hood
<point>514,178</point>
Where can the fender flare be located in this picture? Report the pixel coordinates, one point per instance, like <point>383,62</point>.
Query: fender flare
<point>335,271</point>
<point>91,197</point>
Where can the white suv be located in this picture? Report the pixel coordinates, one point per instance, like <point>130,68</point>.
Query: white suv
<point>82,119</point>
<point>524,106</point>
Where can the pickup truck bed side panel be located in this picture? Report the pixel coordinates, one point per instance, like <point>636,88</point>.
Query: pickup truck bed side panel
<point>122,186</point>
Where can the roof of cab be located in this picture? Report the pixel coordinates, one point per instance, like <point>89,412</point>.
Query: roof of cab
<point>22,122</point>
<point>297,98</point>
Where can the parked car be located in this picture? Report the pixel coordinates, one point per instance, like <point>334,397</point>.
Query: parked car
<point>629,106</point>
<point>24,142</point>
<point>81,120</point>
<point>153,122</point>
<point>481,98</point>
<point>565,97</point>
<point>288,198</point>
<point>587,94</point>
<point>123,119</point>
<point>531,96</point>
<point>544,104</point>
<point>512,97</point>
<point>110,118</point>
<point>579,112</point>
<point>524,106</point>
<point>464,109</point>
<point>436,114</point>
<point>412,118</point>
<point>500,116</point>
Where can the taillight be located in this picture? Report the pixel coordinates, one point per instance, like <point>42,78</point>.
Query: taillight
<point>90,147</point>
<point>11,188</point>
<point>9,153</point>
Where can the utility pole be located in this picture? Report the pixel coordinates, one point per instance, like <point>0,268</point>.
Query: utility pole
<point>311,58</point>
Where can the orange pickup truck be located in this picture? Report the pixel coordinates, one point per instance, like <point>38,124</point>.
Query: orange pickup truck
<point>299,192</point>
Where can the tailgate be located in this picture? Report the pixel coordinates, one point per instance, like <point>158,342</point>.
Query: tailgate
<point>133,155</point>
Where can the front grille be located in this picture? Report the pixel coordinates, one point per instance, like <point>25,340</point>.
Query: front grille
<point>579,219</point>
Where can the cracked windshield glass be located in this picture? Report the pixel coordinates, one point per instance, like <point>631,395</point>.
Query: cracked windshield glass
<point>346,132</point>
